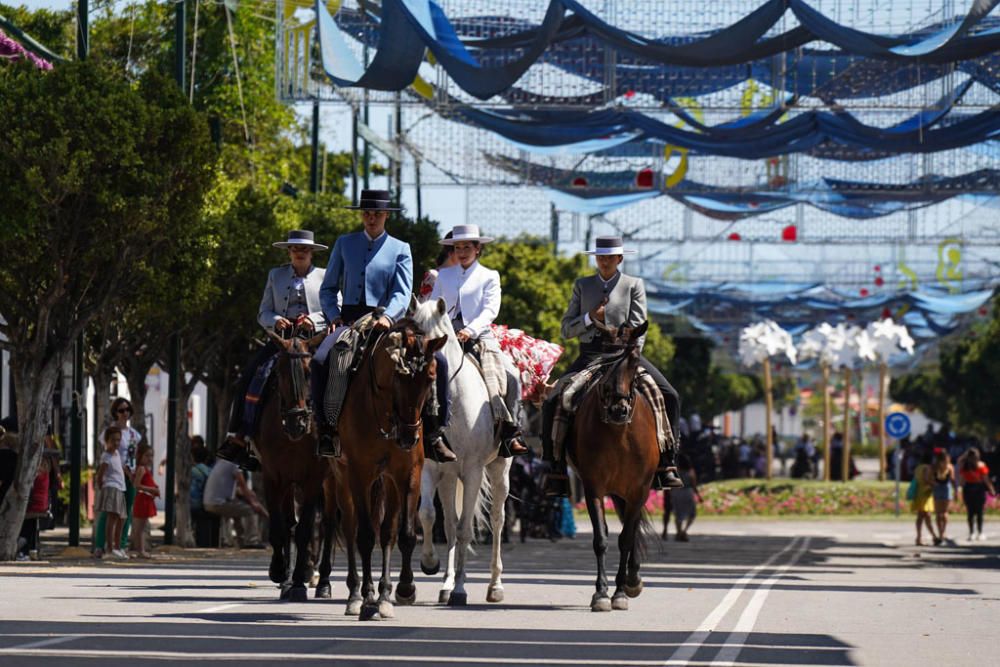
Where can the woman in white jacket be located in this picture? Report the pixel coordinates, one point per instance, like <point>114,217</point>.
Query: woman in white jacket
<point>472,294</point>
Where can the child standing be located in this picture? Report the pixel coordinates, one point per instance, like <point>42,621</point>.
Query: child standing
<point>146,489</point>
<point>111,495</point>
<point>684,500</point>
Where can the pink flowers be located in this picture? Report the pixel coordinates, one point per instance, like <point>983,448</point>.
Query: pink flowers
<point>13,50</point>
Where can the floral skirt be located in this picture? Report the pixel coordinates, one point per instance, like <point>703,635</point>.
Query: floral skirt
<point>534,358</point>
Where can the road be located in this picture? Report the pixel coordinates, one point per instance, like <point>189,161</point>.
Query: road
<point>740,593</point>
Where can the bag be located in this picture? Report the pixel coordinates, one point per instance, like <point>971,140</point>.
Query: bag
<point>911,490</point>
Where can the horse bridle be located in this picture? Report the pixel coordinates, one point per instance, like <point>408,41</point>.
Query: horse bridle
<point>298,380</point>
<point>610,393</point>
<point>395,421</point>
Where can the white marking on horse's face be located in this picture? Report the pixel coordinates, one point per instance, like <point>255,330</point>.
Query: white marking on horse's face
<point>432,321</point>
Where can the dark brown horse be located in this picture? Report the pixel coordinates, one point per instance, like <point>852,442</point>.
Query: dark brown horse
<point>614,450</point>
<point>377,478</point>
<point>291,469</point>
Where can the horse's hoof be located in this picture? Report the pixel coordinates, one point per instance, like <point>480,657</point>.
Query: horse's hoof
<point>369,612</point>
<point>404,598</point>
<point>386,610</point>
<point>430,570</point>
<point>494,594</point>
<point>353,607</point>
<point>324,591</point>
<point>285,591</point>
<point>458,599</point>
<point>314,580</point>
<point>620,602</point>
<point>298,594</point>
<point>600,602</point>
<point>443,597</point>
<point>633,590</point>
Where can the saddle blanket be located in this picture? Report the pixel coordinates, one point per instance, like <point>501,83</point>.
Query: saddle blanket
<point>578,386</point>
<point>255,392</point>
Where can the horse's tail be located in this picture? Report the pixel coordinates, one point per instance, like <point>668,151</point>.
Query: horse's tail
<point>377,502</point>
<point>485,501</point>
<point>644,531</point>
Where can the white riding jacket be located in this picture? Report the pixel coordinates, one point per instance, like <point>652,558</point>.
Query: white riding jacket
<point>472,295</point>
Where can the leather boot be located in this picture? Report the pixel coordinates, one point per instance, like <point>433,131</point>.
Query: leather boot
<point>666,476</point>
<point>237,450</point>
<point>511,440</point>
<point>436,447</point>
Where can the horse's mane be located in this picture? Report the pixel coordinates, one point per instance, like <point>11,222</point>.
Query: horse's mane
<point>431,321</point>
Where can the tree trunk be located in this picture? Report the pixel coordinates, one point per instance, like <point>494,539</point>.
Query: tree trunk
<point>135,375</point>
<point>222,395</point>
<point>183,530</point>
<point>102,406</point>
<point>883,372</point>
<point>845,459</point>
<point>769,401</point>
<point>34,385</point>
<point>826,422</point>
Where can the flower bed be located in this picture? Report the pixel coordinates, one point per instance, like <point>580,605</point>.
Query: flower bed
<point>799,498</point>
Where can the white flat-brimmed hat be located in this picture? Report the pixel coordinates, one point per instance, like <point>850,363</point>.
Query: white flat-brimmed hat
<point>465,233</point>
<point>300,237</point>
<point>609,245</point>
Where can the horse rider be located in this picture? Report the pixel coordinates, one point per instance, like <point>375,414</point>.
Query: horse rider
<point>606,300</point>
<point>368,270</point>
<point>472,295</point>
<point>291,299</point>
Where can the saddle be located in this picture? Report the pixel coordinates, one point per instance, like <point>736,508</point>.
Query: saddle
<point>253,400</point>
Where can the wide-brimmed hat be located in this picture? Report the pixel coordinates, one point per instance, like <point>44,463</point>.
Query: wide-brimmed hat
<point>300,237</point>
<point>465,233</point>
<point>375,200</point>
<point>609,245</point>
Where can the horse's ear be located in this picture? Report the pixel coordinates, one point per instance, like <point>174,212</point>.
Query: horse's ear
<point>442,306</point>
<point>639,331</point>
<point>412,308</point>
<point>315,341</point>
<point>281,342</point>
<point>435,344</point>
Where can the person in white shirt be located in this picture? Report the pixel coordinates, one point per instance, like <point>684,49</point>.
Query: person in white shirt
<point>110,501</point>
<point>472,294</point>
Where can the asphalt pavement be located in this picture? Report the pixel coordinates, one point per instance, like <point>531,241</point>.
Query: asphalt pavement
<point>739,593</point>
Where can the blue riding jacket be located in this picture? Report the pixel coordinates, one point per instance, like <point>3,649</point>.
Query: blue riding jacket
<point>375,273</point>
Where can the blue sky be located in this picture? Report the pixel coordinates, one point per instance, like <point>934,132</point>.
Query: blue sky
<point>37,4</point>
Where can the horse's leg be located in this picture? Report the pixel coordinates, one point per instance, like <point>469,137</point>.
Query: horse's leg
<point>324,590</point>
<point>387,531</point>
<point>630,512</point>
<point>366,544</point>
<point>471,482</point>
<point>633,581</point>
<point>498,474</point>
<point>277,530</point>
<point>303,540</point>
<point>406,592</point>
<point>430,564</point>
<point>448,492</point>
<point>349,521</point>
<point>595,508</point>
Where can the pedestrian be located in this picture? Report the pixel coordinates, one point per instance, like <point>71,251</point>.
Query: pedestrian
<point>684,500</point>
<point>110,501</point>
<point>200,472</point>
<point>227,495</point>
<point>668,508</point>
<point>945,487</point>
<point>121,413</point>
<point>976,484</point>
<point>922,502</point>
<point>144,508</point>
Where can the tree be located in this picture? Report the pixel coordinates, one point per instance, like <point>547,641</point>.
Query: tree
<point>99,176</point>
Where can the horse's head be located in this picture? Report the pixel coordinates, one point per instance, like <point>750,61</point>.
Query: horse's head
<point>617,389</point>
<point>431,317</point>
<point>292,372</point>
<point>404,362</point>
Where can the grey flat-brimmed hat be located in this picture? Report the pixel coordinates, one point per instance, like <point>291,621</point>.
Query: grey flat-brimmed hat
<point>465,233</point>
<point>609,245</point>
<point>300,237</point>
<point>375,200</point>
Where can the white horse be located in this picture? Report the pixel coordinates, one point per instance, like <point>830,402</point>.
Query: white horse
<point>484,475</point>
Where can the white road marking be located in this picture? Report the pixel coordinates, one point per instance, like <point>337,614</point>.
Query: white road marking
<point>51,641</point>
<point>686,651</point>
<point>730,651</point>
<point>221,607</point>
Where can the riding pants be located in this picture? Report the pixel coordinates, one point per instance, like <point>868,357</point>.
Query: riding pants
<point>438,409</point>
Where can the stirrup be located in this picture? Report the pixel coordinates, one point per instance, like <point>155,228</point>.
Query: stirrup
<point>328,445</point>
<point>666,478</point>
<point>555,483</point>
<point>436,449</point>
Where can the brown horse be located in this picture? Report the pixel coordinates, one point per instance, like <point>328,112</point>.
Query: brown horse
<point>377,478</point>
<point>615,452</point>
<point>290,468</point>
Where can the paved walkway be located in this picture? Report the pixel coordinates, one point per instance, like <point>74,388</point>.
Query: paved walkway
<point>740,593</point>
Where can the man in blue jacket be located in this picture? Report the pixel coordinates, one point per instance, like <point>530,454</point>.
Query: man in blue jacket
<point>367,270</point>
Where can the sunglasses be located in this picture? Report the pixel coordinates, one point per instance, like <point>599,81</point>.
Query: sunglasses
<point>124,411</point>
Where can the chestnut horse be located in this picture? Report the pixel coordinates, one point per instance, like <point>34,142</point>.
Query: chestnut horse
<point>377,478</point>
<point>290,467</point>
<point>615,451</point>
